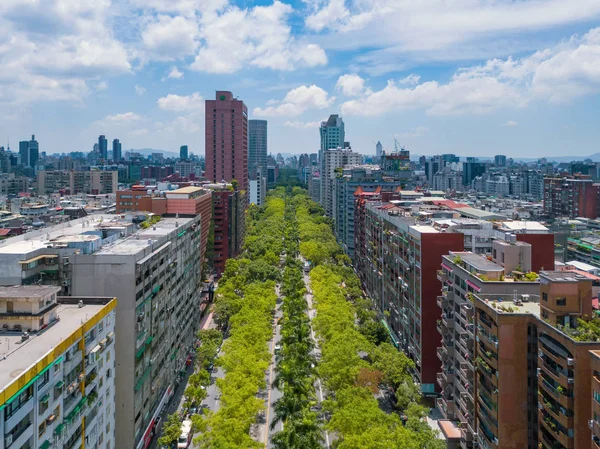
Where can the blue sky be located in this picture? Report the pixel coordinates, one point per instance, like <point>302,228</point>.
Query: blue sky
<point>472,77</point>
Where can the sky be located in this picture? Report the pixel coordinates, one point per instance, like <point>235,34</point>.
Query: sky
<point>470,77</point>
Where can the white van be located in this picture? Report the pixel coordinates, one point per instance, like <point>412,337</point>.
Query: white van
<point>186,434</point>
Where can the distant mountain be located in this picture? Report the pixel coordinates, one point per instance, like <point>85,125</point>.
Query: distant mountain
<point>149,151</point>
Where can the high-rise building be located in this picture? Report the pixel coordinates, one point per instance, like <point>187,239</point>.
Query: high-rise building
<point>397,262</point>
<point>258,186</point>
<point>332,133</point>
<point>24,152</point>
<point>432,166</point>
<point>570,197</point>
<point>183,152</point>
<point>332,161</point>
<point>103,147</point>
<point>378,150</point>
<point>58,378</point>
<point>226,140</point>
<point>34,151</point>
<point>116,150</point>
<point>500,160</point>
<point>472,169</point>
<point>257,146</point>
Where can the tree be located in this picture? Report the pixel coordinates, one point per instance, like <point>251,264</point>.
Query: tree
<point>394,365</point>
<point>369,378</point>
<point>171,430</point>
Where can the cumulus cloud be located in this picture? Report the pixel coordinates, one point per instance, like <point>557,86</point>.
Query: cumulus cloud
<point>175,73</point>
<point>258,36</point>
<point>124,117</point>
<point>411,79</point>
<point>179,103</point>
<point>102,85</point>
<point>350,85</point>
<point>302,125</point>
<point>511,123</point>
<point>69,47</point>
<point>558,74</point>
<point>297,101</point>
<point>139,90</point>
<point>169,38</point>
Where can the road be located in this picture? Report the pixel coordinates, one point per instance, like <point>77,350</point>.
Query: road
<point>176,402</point>
<point>317,349</point>
<point>263,432</point>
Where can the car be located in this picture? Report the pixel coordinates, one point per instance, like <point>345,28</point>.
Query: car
<point>277,347</point>
<point>186,434</point>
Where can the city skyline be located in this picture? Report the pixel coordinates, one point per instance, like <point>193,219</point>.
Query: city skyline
<point>506,78</point>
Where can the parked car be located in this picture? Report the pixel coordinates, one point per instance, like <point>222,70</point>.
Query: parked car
<point>186,434</point>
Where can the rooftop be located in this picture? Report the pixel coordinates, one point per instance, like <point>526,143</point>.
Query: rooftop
<point>523,226</point>
<point>16,356</point>
<point>561,276</point>
<point>190,189</point>
<point>27,291</point>
<point>512,303</point>
<point>477,261</point>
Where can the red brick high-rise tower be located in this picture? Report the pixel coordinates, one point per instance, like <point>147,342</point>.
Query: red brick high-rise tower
<point>226,142</point>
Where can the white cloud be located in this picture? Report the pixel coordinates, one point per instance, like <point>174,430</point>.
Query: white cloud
<point>139,132</point>
<point>297,101</point>
<point>302,125</point>
<point>124,117</point>
<point>419,131</point>
<point>558,74</point>
<point>350,85</point>
<point>411,80</point>
<point>258,36</point>
<point>175,73</point>
<point>170,38</point>
<point>179,103</point>
<point>50,50</point>
<point>139,90</point>
<point>102,85</point>
<point>511,123</point>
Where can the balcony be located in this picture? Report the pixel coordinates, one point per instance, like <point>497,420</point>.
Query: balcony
<point>443,302</point>
<point>446,407</point>
<point>442,276</point>
<point>557,412</point>
<point>553,430</point>
<point>448,320</point>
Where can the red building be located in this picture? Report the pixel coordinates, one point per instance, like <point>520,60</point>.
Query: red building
<point>571,197</point>
<point>226,140</point>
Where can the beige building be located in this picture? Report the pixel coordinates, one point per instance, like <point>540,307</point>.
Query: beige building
<point>72,182</point>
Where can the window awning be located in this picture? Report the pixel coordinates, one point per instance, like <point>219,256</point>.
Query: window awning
<point>45,399</point>
<point>473,286</point>
<point>110,335</point>
<point>103,342</point>
<point>95,350</point>
<point>446,267</point>
<point>43,256</point>
<point>45,445</point>
<point>59,384</point>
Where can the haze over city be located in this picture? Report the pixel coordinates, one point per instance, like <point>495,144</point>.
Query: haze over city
<point>469,77</point>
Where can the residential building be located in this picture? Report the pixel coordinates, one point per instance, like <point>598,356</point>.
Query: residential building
<point>58,378</point>
<point>155,273</point>
<point>314,184</point>
<point>103,147</point>
<point>187,201</point>
<point>462,275</point>
<point>397,262</point>
<point>594,422</point>
<point>185,168</point>
<point>228,207</point>
<point>570,197</point>
<point>226,142</point>
<point>331,164</point>
<point>10,184</point>
<point>355,179</point>
<point>183,152</point>
<point>432,166</point>
<point>478,234</point>
<point>497,185</point>
<point>447,179</point>
<point>533,381</point>
<point>116,150</point>
<point>72,182</point>
<point>257,145</point>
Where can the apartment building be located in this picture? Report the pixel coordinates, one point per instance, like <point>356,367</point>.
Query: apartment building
<point>570,197</point>
<point>57,370</point>
<point>154,271</point>
<point>594,422</point>
<point>534,366</point>
<point>331,164</point>
<point>72,182</point>
<point>462,275</point>
<point>397,262</point>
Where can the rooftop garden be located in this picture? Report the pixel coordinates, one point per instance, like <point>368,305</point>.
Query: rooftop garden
<point>586,330</point>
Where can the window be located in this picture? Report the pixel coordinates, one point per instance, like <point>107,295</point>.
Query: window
<point>561,301</point>
<point>44,379</point>
<point>18,402</point>
<point>545,296</point>
<point>42,429</point>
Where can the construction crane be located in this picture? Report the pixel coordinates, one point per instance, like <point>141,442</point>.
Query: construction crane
<point>397,146</point>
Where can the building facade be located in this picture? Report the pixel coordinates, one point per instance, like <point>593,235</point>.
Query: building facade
<point>257,145</point>
<point>58,382</point>
<point>116,150</point>
<point>397,262</point>
<point>332,162</point>
<point>103,147</point>
<point>183,152</point>
<point>258,186</point>
<point>570,197</point>
<point>72,182</point>
<point>226,140</point>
